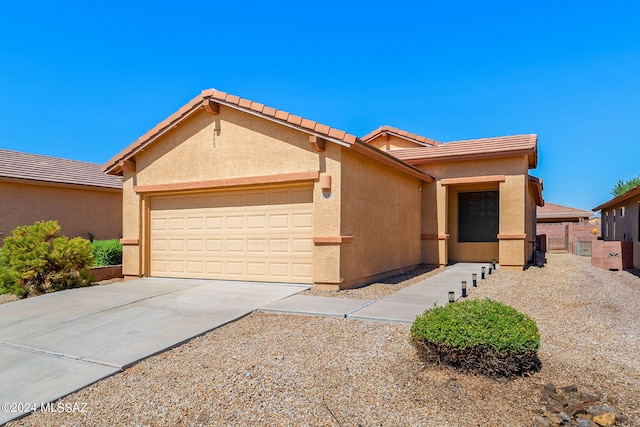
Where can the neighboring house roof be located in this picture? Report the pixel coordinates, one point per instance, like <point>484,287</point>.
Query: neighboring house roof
<point>552,211</point>
<point>617,200</point>
<point>15,165</point>
<point>471,149</point>
<point>210,98</point>
<point>418,139</point>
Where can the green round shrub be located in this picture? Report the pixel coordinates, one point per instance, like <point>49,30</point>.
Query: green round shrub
<point>482,336</point>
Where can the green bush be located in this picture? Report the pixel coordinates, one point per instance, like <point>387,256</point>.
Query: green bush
<point>107,252</point>
<point>35,260</point>
<point>481,336</point>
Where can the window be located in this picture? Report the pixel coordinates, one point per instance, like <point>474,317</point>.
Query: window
<point>478,219</point>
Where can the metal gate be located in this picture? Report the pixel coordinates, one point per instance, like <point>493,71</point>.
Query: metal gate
<point>583,247</point>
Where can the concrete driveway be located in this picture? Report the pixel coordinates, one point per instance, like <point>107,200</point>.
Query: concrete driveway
<point>58,343</point>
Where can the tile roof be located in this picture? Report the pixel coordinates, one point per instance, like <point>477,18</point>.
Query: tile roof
<point>552,210</point>
<point>340,137</point>
<point>418,139</point>
<point>617,200</point>
<point>35,167</point>
<point>502,146</point>
<point>233,101</point>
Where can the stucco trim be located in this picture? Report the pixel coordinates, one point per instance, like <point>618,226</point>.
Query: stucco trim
<point>514,236</point>
<point>332,239</point>
<point>228,182</point>
<point>130,242</point>
<point>473,180</point>
<point>434,237</point>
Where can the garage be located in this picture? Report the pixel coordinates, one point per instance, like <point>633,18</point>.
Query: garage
<point>258,234</point>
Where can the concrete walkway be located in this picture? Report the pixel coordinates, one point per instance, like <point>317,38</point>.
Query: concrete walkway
<point>58,343</point>
<point>400,307</point>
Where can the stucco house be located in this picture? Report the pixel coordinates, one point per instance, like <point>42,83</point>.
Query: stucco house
<point>77,194</point>
<point>228,188</point>
<point>620,219</point>
<point>563,228</point>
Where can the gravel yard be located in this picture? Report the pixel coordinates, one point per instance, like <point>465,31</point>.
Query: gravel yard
<point>294,370</point>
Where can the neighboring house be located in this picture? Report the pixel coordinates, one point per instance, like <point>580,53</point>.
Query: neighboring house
<point>78,195</point>
<point>620,218</point>
<point>227,188</point>
<point>563,228</point>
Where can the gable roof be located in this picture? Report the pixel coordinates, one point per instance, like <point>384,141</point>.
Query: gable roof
<point>617,200</point>
<point>412,137</point>
<point>15,165</point>
<point>115,164</point>
<point>552,210</point>
<point>471,149</point>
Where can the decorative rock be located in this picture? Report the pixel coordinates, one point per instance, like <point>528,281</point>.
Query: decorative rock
<point>605,420</point>
<point>555,419</point>
<point>600,409</point>
<point>565,406</point>
<point>540,421</point>
<point>549,390</point>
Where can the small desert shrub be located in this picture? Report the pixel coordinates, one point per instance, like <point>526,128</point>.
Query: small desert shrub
<point>107,252</point>
<point>480,336</point>
<point>35,260</point>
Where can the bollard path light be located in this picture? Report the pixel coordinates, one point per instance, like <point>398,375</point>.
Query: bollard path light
<point>475,279</point>
<point>452,296</point>
<point>464,289</point>
<point>493,263</point>
<point>489,269</point>
<point>484,271</point>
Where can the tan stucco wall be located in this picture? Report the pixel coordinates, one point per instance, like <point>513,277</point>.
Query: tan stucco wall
<point>232,144</point>
<point>515,218</point>
<point>393,143</point>
<point>468,251</point>
<point>327,205</point>
<point>434,224</point>
<point>78,211</point>
<point>381,210</point>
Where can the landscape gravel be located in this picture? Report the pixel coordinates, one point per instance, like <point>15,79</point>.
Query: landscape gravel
<point>269,369</point>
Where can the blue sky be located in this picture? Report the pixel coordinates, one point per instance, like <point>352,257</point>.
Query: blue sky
<point>82,81</point>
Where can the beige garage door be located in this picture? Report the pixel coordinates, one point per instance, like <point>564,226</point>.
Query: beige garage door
<point>259,235</point>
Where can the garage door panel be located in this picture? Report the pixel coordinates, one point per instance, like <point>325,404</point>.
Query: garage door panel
<point>257,246</point>
<point>256,222</point>
<point>234,222</point>
<point>279,220</point>
<point>195,267</point>
<point>215,222</point>
<point>261,235</point>
<point>279,269</point>
<point>302,220</point>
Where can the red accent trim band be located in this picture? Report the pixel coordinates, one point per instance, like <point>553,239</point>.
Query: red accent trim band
<point>515,236</point>
<point>229,182</point>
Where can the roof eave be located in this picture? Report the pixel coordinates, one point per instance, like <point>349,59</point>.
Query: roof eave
<point>113,167</point>
<point>621,198</point>
<point>382,156</point>
<point>475,156</point>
